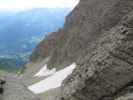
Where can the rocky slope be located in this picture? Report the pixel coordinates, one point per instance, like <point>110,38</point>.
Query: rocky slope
<point>98,36</point>
<point>11,88</point>
<point>108,70</point>
<point>83,27</point>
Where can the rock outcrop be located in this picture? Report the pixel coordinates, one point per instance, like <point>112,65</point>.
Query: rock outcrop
<point>98,36</point>
<point>84,25</point>
<point>2,82</point>
<point>108,70</point>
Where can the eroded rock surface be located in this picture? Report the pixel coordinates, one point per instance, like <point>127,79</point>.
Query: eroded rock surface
<point>99,38</point>
<point>108,70</point>
<point>83,27</point>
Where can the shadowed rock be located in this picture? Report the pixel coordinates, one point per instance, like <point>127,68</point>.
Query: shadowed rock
<point>2,82</point>
<point>108,70</point>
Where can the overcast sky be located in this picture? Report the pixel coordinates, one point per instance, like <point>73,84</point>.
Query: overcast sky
<point>29,4</point>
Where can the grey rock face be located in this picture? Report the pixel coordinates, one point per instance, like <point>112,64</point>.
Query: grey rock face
<point>99,38</point>
<point>126,94</point>
<point>108,70</point>
<point>13,89</point>
<point>83,27</point>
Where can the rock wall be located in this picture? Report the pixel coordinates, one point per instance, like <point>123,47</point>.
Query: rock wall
<point>108,70</point>
<point>98,36</point>
<point>84,25</point>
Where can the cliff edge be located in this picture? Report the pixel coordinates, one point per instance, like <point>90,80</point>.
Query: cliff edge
<point>97,36</point>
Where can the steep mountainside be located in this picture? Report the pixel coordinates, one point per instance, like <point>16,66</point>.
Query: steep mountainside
<point>97,36</point>
<point>83,27</point>
<point>28,27</point>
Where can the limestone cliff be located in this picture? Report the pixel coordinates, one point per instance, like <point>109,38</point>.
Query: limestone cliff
<point>98,36</point>
<point>84,25</point>
<point>108,70</point>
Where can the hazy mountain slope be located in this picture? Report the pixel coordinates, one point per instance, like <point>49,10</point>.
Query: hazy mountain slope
<point>20,32</point>
<point>29,25</point>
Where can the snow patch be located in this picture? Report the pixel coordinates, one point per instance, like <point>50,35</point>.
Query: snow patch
<point>44,72</point>
<point>53,81</point>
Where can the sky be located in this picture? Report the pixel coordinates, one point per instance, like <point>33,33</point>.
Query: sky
<point>30,4</point>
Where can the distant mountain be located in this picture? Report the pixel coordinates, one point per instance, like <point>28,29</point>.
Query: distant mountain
<point>20,32</point>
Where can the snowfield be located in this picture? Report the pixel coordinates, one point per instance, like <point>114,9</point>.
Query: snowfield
<point>53,81</point>
<point>44,72</point>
